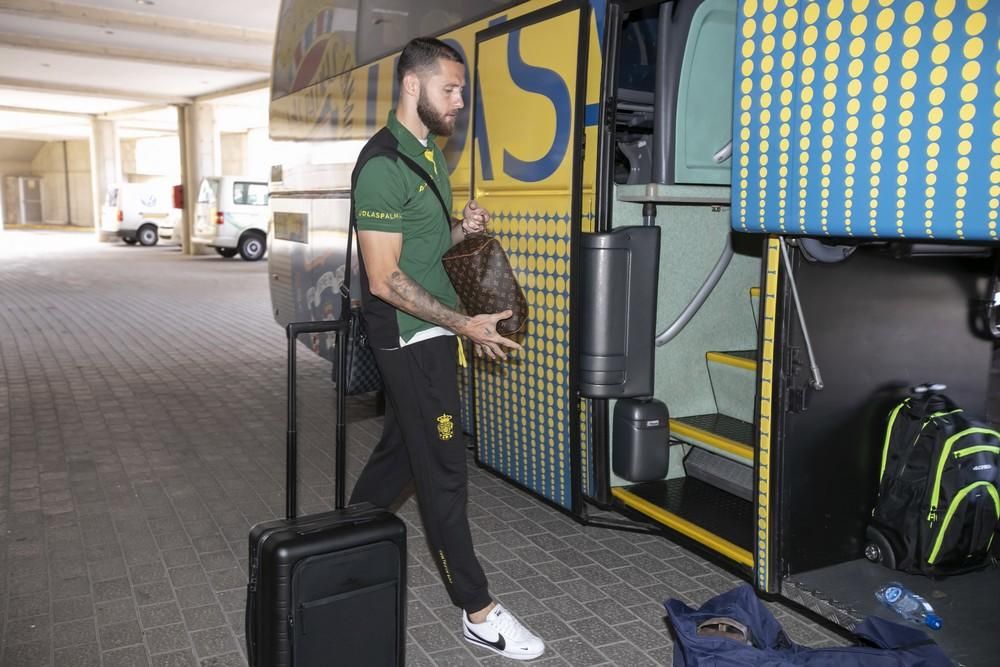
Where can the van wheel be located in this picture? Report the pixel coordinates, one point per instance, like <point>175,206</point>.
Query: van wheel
<point>252,247</point>
<point>148,235</point>
<point>129,240</point>
<point>227,252</point>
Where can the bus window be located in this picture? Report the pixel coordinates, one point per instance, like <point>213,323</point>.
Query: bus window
<point>315,41</point>
<point>319,39</point>
<point>388,26</point>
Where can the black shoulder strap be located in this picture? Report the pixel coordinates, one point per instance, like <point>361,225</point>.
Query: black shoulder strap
<point>419,171</point>
<point>382,143</point>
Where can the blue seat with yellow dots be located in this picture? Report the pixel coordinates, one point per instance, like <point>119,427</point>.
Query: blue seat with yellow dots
<point>868,119</point>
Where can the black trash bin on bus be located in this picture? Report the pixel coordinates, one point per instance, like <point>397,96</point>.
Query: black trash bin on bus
<point>640,435</point>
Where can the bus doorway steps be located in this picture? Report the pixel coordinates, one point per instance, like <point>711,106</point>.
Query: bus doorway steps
<point>719,520</point>
<point>721,451</point>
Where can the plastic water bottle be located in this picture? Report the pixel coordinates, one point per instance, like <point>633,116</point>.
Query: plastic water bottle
<point>908,604</point>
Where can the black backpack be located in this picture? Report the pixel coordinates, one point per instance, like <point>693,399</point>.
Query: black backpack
<point>938,505</point>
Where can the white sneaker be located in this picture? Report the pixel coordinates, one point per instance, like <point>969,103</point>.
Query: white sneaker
<point>503,634</point>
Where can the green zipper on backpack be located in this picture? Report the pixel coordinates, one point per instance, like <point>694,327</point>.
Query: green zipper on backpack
<point>932,515</point>
<point>888,433</point>
<point>951,511</point>
<point>892,421</point>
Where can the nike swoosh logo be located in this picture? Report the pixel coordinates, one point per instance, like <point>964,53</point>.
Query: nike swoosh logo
<point>500,644</point>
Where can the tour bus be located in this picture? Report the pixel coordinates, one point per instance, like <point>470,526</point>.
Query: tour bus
<point>743,230</point>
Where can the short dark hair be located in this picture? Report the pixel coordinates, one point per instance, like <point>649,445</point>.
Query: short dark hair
<point>421,55</point>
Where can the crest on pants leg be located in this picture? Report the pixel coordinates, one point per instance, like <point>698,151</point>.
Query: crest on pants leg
<point>446,427</point>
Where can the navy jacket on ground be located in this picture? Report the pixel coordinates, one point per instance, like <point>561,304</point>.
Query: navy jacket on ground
<point>884,643</point>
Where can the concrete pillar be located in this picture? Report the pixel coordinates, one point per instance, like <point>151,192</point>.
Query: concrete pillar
<point>182,140</point>
<point>105,165</point>
<point>200,157</point>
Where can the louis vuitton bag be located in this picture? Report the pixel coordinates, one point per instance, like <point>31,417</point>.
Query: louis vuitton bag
<point>485,282</point>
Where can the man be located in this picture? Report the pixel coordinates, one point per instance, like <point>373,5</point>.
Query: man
<point>411,319</point>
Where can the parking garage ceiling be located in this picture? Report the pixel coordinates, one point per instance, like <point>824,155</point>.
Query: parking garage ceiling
<point>62,62</point>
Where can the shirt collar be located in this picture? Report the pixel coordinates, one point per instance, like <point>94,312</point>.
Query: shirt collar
<point>408,143</point>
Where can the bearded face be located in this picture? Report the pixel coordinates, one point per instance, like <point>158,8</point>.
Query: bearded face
<point>439,122</point>
<point>440,98</point>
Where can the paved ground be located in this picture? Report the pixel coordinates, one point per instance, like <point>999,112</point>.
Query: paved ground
<point>141,435</point>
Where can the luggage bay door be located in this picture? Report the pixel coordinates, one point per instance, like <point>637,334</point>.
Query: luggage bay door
<point>526,171</point>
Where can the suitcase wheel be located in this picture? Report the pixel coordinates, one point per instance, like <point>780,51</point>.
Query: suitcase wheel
<point>878,549</point>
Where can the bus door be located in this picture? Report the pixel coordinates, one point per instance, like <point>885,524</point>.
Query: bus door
<point>527,136</point>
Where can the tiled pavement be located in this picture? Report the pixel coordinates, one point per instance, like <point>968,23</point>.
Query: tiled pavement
<point>141,434</point>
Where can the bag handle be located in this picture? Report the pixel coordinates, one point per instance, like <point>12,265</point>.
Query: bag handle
<point>292,331</point>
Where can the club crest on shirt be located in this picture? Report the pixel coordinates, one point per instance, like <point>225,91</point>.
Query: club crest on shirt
<point>446,427</point>
<point>423,186</point>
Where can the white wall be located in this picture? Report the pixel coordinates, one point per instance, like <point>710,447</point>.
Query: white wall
<point>16,156</point>
<point>15,168</point>
<point>247,153</point>
<point>260,154</point>
<point>50,164</point>
<point>234,153</point>
<point>151,159</point>
<point>128,157</point>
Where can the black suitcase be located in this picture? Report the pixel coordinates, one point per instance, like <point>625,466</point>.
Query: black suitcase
<point>330,588</point>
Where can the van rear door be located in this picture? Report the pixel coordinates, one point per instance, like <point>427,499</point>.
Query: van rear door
<point>109,211</point>
<point>206,210</point>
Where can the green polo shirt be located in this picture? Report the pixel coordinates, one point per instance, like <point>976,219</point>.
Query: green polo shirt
<point>391,197</point>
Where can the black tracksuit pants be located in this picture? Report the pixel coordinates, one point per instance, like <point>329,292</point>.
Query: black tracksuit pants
<point>422,442</point>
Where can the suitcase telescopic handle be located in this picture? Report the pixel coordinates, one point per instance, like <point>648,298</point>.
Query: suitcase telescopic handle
<point>292,331</point>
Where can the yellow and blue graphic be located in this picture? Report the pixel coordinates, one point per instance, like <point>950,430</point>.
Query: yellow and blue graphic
<point>315,41</point>
<point>868,119</point>
<point>524,174</point>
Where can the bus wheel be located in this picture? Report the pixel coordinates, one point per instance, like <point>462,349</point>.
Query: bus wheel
<point>148,235</point>
<point>129,240</point>
<point>227,252</point>
<point>252,246</point>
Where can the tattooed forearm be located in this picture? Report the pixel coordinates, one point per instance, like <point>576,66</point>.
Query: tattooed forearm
<point>404,293</point>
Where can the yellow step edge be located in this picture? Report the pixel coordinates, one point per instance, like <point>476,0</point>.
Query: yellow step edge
<point>685,527</point>
<point>737,449</point>
<point>732,360</point>
<point>755,291</point>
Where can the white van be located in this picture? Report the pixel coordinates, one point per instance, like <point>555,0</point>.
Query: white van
<point>170,228</point>
<point>137,211</point>
<point>231,216</point>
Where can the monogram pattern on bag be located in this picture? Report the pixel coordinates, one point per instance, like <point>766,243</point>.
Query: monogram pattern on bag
<point>362,372</point>
<point>485,283</point>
